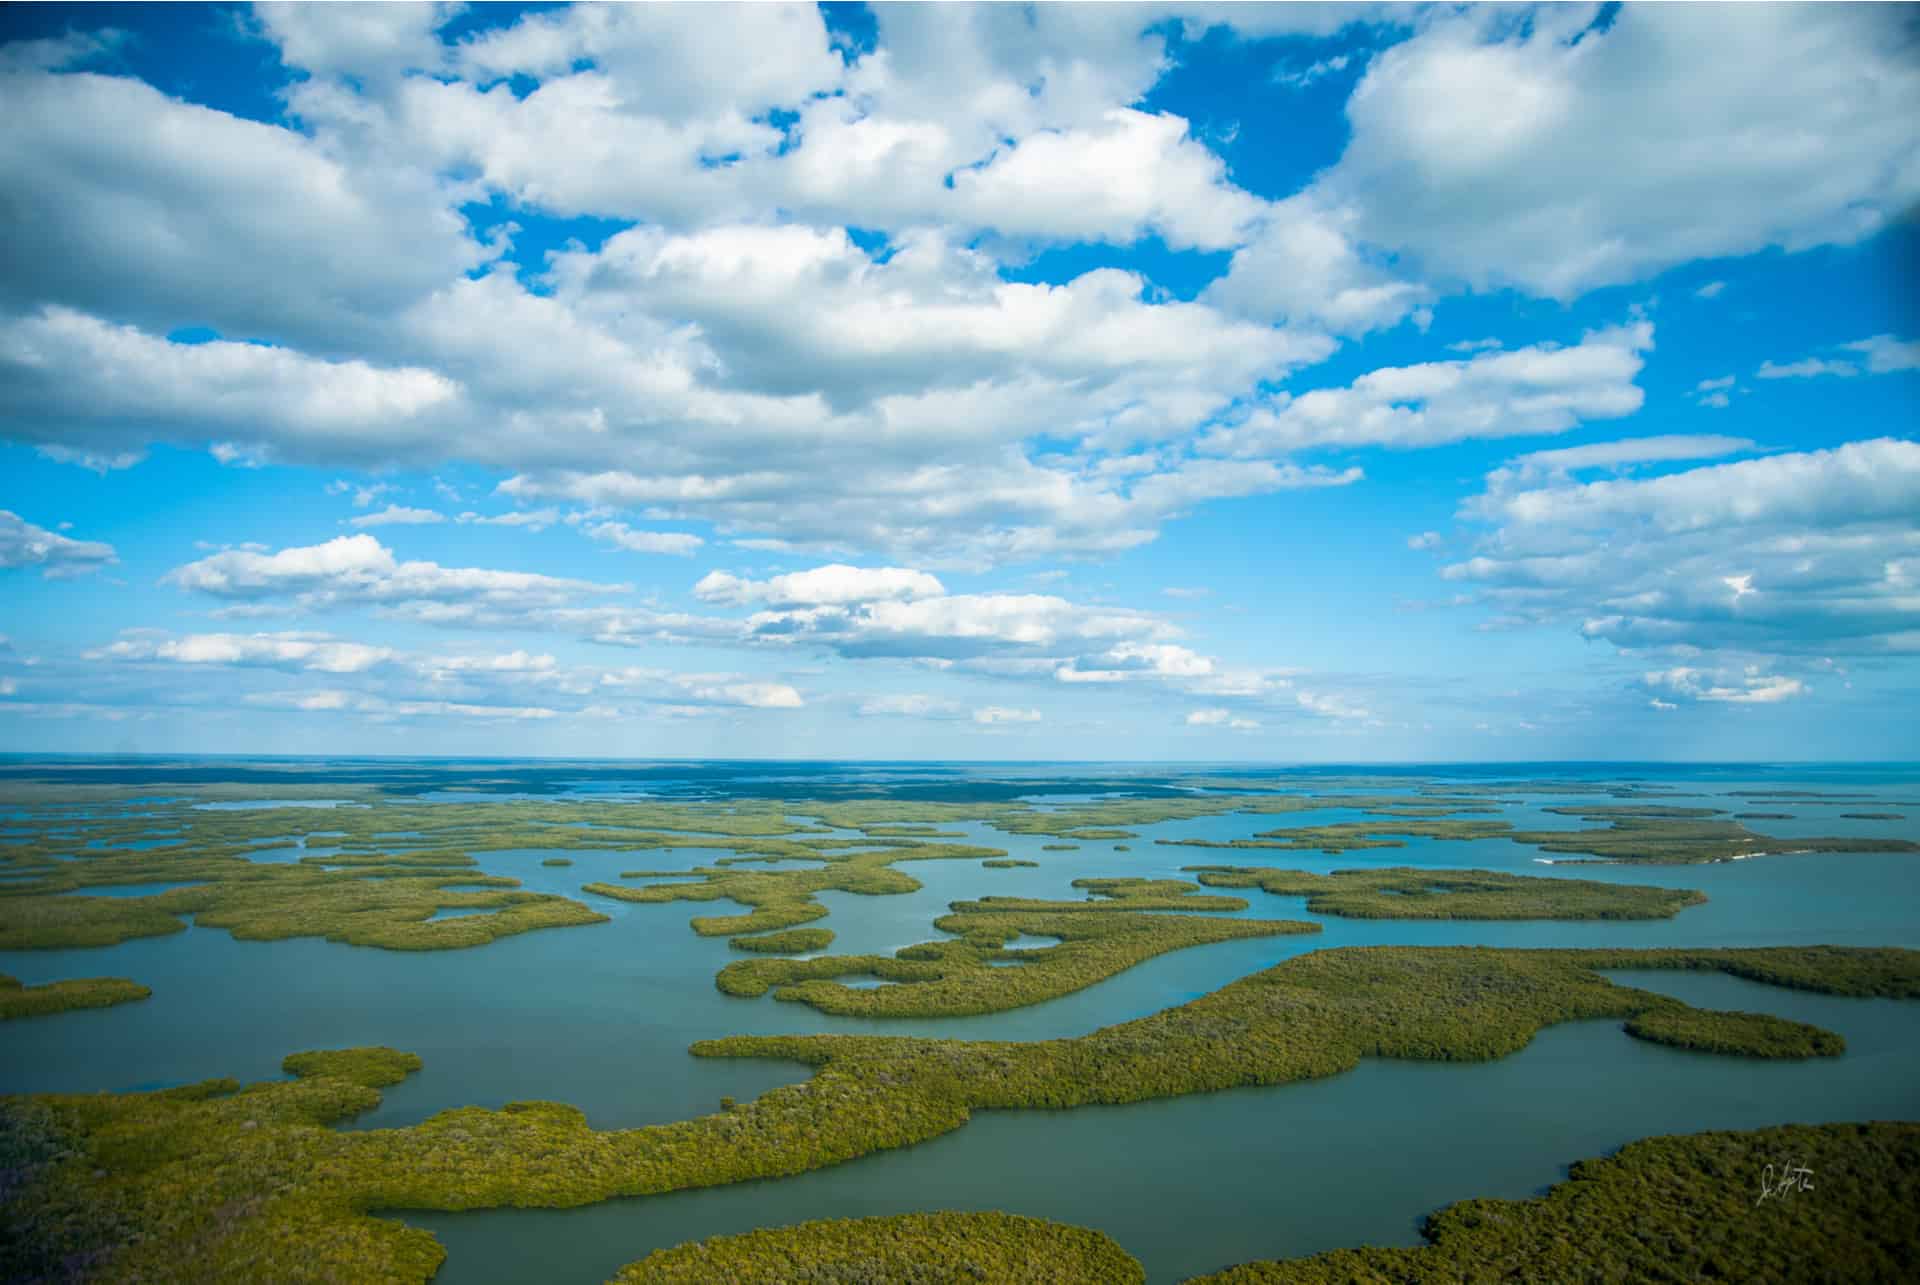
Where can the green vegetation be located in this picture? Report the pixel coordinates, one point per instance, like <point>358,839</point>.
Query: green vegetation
<point>1874,816</point>
<point>785,898</point>
<point>557,861</point>
<point>1008,863</point>
<point>1405,893</point>
<point>1711,1031</point>
<point>55,923</point>
<point>218,1183</point>
<point>1345,836</point>
<point>1651,834</point>
<point>374,1067</point>
<point>925,1249</point>
<point>972,975</point>
<point>378,906</point>
<point>1110,894</point>
<point>1059,847</point>
<point>1676,1208</point>
<point>793,941</point>
<point>1671,841</point>
<point>1763,816</point>
<point>57,997</point>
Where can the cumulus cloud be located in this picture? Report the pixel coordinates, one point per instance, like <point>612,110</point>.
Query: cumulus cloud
<point>1750,687</point>
<point>677,543</point>
<point>911,705</point>
<point>836,585</point>
<point>1884,355</point>
<point>22,544</point>
<point>531,519</point>
<point>358,569</point>
<point>398,515</point>
<point>1221,718</point>
<point>1617,456</point>
<point>124,202</point>
<point>1792,552</point>
<point>269,402</point>
<point>1543,388</point>
<point>708,689</point>
<point>1537,149</point>
<point>277,651</point>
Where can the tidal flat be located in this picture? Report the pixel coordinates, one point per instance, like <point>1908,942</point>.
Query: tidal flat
<point>881,877</point>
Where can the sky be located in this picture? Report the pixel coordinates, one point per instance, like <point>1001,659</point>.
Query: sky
<point>1158,381</point>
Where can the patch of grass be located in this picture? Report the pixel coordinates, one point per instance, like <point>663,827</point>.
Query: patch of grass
<point>557,861</point>
<point>925,1249</point>
<point>1874,816</point>
<point>374,1066</point>
<point>57,923</point>
<point>1674,1208</point>
<point>1345,836</point>
<point>1712,1031</point>
<point>1407,893</point>
<point>1008,863</point>
<point>1110,894</point>
<point>785,898</point>
<point>794,941</point>
<point>972,975</point>
<point>1667,841</point>
<point>1059,847</point>
<point>58,997</point>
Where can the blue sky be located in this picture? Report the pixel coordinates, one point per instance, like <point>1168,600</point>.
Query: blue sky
<point>1205,382</point>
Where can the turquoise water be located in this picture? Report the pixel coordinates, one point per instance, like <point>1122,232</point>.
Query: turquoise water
<point>601,1017</point>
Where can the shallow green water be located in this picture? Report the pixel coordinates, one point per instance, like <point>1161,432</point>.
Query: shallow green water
<point>601,1017</point>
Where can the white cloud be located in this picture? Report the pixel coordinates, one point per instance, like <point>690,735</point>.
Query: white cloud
<point>124,202</point>
<point>359,569</point>
<point>1808,368</point>
<point>835,585</point>
<point>1221,718</point>
<point>22,544</point>
<point>1749,688</point>
<point>1535,390</point>
<point>1304,265</point>
<point>1885,354</point>
<point>678,543</point>
<point>1618,456</point>
<point>1179,591</point>
<point>999,714</point>
<point>1787,552</point>
<point>274,402</point>
<point>1330,705</point>
<point>1425,540</point>
<point>709,689</point>
<point>280,651</point>
<point>1523,146</point>
<point>531,519</point>
<point>1130,174</point>
<point>911,705</point>
<point>398,515</point>
<point>1711,290</point>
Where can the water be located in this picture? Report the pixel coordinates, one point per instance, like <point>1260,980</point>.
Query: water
<point>601,1017</point>
<point>1188,1185</point>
